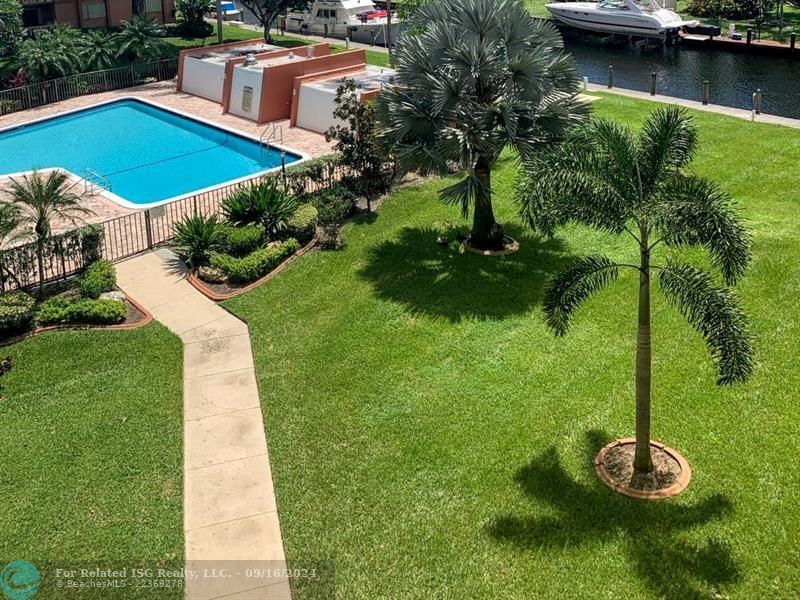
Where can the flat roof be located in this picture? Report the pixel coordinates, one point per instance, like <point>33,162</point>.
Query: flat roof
<point>370,78</point>
<point>223,55</point>
<point>267,61</point>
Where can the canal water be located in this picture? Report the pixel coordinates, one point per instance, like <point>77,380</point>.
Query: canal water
<point>733,76</point>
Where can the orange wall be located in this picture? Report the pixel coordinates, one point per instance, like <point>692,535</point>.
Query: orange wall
<point>68,11</point>
<point>277,89</point>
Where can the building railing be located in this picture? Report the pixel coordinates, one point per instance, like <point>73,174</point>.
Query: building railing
<point>82,84</point>
<point>141,231</point>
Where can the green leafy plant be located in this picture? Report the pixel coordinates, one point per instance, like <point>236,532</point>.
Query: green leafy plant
<point>240,241</point>
<point>16,312</point>
<point>50,53</point>
<point>10,26</point>
<point>196,236</point>
<point>477,76</point>
<point>609,178</point>
<point>63,310</point>
<point>262,203</point>
<point>100,277</point>
<point>266,11</point>
<point>91,243</point>
<point>98,49</point>
<point>333,205</point>
<point>192,14</point>
<point>303,222</point>
<point>254,265</point>
<point>41,199</point>
<point>358,145</point>
<point>141,38</point>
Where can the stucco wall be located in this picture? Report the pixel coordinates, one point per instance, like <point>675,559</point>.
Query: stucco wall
<point>243,77</point>
<point>203,78</point>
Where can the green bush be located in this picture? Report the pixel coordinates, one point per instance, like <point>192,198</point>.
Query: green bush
<point>196,237</point>
<point>63,310</point>
<point>91,242</point>
<point>16,312</point>
<point>723,9</point>
<point>99,277</point>
<point>333,205</point>
<point>254,265</point>
<point>303,222</point>
<point>263,203</point>
<point>241,241</point>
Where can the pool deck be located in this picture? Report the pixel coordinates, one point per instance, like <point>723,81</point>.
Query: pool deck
<point>163,93</point>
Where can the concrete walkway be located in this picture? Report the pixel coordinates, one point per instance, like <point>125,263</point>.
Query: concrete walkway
<point>230,515</point>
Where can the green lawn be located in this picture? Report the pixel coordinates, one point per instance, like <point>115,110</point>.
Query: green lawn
<point>91,427</point>
<point>432,439</point>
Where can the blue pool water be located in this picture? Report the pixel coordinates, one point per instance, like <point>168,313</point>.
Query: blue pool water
<point>148,154</point>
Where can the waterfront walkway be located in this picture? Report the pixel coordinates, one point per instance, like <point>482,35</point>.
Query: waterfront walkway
<point>230,514</point>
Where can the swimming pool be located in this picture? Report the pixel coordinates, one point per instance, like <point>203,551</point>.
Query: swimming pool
<point>147,154</point>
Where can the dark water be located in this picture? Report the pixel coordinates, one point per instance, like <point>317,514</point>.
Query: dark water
<point>680,71</point>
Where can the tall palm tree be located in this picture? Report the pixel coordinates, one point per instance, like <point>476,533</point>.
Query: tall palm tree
<point>142,39</point>
<point>41,199</point>
<point>477,76</point>
<point>609,178</point>
<point>98,49</point>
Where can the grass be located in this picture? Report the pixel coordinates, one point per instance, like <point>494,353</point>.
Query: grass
<point>91,428</point>
<point>233,33</point>
<point>430,438</point>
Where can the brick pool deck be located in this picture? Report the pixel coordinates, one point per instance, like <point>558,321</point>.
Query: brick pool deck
<point>163,93</point>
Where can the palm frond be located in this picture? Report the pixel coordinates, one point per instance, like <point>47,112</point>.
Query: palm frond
<point>569,289</point>
<point>694,211</point>
<point>714,311</point>
<point>667,142</point>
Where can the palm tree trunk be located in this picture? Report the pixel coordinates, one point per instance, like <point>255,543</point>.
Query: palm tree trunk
<point>642,459</point>
<point>486,233</point>
<point>40,261</point>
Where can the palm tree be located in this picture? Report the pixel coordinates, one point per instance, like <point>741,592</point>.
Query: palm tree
<point>40,199</point>
<point>477,76</point>
<point>618,182</point>
<point>142,39</point>
<point>98,49</point>
<point>50,53</point>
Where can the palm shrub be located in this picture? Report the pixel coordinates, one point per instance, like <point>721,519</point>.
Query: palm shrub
<point>196,237</point>
<point>637,185</point>
<point>262,203</point>
<point>98,49</point>
<point>477,76</point>
<point>141,38</point>
<point>50,53</point>
<point>40,199</point>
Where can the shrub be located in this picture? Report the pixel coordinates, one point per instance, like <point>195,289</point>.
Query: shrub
<point>91,241</point>
<point>241,241</point>
<point>303,222</point>
<point>99,277</point>
<point>333,205</point>
<point>196,236</point>
<point>723,9</point>
<point>16,312</point>
<point>63,310</point>
<point>263,203</point>
<point>254,265</point>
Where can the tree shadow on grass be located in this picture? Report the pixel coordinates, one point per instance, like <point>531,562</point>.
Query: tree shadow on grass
<point>442,281</point>
<point>649,532</point>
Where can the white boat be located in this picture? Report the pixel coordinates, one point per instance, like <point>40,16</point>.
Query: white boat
<point>626,17</point>
<point>358,20</point>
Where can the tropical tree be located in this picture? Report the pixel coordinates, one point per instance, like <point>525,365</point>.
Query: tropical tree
<point>142,39</point>
<point>192,14</point>
<point>98,49</point>
<point>477,76</point>
<point>41,199</point>
<point>357,143</point>
<point>262,203</point>
<point>10,26</point>
<point>266,11</point>
<point>50,53</point>
<point>609,178</point>
<point>196,237</point>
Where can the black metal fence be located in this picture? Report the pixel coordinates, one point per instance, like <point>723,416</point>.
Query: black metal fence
<point>138,232</point>
<point>56,90</point>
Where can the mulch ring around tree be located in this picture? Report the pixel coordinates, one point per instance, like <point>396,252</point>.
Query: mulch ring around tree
<point>669,477</point>
<point>510,245</point>
<point>136,316</point>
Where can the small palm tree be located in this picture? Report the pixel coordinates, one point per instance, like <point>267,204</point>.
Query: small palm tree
<point>477,76</point>
<point>196,237</point>
<point>613,180</point>
<point>50,53</point>
<point>41,199</point>
<point>262,203</point>
<point>141,39</point>
<point>98,49</point>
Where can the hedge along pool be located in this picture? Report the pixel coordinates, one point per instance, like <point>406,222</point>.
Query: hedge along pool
<point>147,154</point>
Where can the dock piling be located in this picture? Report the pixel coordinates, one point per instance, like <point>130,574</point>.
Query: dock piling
<point>757,102</point>
<point>610,76</point>
<point>749,35</point>
<point>792,41</point>
<point>653,83</point>
<point>705,91</point>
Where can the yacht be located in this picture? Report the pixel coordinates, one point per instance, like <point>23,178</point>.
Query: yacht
<point>647,19</point>
<point>358,20</point>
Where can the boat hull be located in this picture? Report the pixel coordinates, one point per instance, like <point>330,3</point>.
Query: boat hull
<point>633,25</point>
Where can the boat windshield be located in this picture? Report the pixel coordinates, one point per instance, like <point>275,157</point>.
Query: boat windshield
<point>611,4</point>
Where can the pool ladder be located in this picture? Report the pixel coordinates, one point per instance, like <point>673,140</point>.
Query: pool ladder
<point>92,178</point>
<point>269,135</point>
